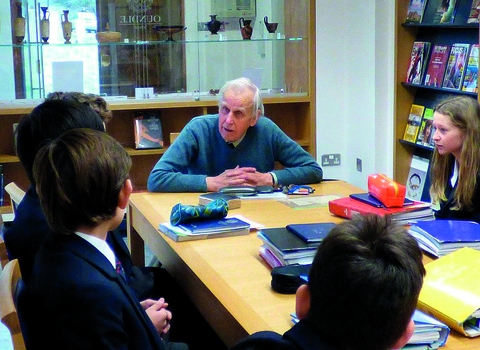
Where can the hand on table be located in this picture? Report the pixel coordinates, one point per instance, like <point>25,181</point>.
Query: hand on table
<point>246,176</point>
<point>158,314</point>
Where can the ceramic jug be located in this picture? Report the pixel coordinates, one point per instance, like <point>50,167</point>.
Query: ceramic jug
<point>45,25</point>
<point>214,25</point>
<point>19,24</point>
<point>245,28</point>
<point>66,27</point>
<point>271,27</point>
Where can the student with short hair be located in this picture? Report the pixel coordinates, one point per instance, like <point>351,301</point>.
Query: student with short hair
<point>362,290</point>
<point>78,291</point>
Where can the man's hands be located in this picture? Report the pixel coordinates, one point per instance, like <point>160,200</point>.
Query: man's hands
<point>158,314</point>
<point>246,176</point>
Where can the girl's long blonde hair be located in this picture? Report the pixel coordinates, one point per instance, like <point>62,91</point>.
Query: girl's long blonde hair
<point>464,113</point>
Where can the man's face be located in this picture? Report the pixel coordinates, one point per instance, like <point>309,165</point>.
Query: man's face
<point>236,115</point>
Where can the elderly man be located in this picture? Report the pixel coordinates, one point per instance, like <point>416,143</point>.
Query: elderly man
<point>236,147</point>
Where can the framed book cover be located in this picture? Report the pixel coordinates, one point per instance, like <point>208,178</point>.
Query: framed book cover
<point>456,66</point>
<point>425,133</point>
<point>413,123</point>
<point>417,177</point>
<point>470,81</point>
<point>415,11</point>
<point>417,64</point>
<point>474,12</point>
<point>436,65</point>
<point>445,11</point>
<point>148,131</point>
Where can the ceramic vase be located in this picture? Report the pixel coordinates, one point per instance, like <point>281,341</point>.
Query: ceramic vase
<point>45,25</point>
<point>214,24</point>
<point>19,24</point>
<point>66,27</point>
<point>271,27</point>
<point>245,29</point>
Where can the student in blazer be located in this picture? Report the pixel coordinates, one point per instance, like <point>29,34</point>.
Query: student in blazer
<point>362,290</point>
<point>78,292</point>
<point>455,169</point>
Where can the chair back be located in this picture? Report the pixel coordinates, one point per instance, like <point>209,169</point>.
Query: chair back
<point>16,195</point>
<point>3,251</point>
<point>9,279</point>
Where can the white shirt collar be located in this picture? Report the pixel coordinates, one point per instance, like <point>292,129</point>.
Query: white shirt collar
<point>454,178</point>
<point>101,246</point>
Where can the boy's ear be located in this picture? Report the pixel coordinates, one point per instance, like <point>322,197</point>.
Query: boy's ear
<point>405,336</point>
<point>302,301</point>
<point>125,193</point>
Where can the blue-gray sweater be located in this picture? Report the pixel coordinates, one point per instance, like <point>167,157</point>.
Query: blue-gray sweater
<point>200,151</point>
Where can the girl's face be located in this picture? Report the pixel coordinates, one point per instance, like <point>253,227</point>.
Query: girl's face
<point>448,138</point>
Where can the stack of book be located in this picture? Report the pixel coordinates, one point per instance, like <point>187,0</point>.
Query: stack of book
<point>363,203</point>
<point>215,228</point>
<point>451,291</point>
<point>294,244</point>
<point>441,237</point>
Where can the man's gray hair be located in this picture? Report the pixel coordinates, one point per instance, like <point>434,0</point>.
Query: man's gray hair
<point>238,86</point>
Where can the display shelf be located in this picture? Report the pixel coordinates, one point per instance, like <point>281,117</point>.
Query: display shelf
<point>416,145</point>
<point>407,94</point>
<point>449,91</point>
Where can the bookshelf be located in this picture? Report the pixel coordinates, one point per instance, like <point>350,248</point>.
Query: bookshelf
<point>407,94</point>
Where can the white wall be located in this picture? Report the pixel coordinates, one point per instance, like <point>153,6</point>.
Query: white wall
<point>7,87</point>
<point>355,87</point>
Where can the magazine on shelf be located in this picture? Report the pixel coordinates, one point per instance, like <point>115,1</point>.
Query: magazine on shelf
<point>445,11</point>
<point>470,82</point>
<point>148,131</point>
<point>415,11</point>
<point>456,66</point>
<point>436,65</point>
<point>474,12</point>
<point>413,123</point>
<point>418,59</point>
<point>451,291</point>
<point>417,178</point>
<point>425,133</point>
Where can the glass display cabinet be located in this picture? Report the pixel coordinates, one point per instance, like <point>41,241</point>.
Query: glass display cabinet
<point>167,56</point>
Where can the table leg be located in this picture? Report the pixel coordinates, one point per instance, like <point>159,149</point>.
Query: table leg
<point>135,242</point>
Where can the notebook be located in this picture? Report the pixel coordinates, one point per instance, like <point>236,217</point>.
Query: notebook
<point>369,199</point>
<point>312,233</point>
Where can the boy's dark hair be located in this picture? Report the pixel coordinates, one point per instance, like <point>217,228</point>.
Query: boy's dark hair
<point>96,102</point>
<point>364,283</point>
<point>79,177</point>
<point>48,121</point>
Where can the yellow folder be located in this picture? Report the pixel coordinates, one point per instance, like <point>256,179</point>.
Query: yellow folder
<point>451,291</point>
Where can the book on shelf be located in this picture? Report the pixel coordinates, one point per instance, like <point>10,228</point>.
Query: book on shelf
<point>148,131</point>
<point>456,66</point>
<point>1,187</point>
<point>445,11</point>
<point>206,229</point>
<point>441,237</point>
<point>234,202</point>
<point>470,81</point>
<point>312,233</point>
<point>425,134</point>
<point>413,123</point>
<point>418,59</point>
<point>417,178</point>
<point>348,207</point>
<point>474,12</point>
<point>282,247</point>
<point>451,291</point>
<point>436,65</point>
<point>15,125</point>
<point>415,11</point>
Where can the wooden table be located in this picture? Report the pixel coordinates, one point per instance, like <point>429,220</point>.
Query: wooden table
<point>226,278</point>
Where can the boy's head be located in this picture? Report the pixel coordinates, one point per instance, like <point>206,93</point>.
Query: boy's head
<point>365,278</point>
<point>82,179</point>
<point>96,102</point>
<point>48,121</point>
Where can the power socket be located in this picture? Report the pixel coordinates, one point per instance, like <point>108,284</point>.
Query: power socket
<point>331,159</point>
